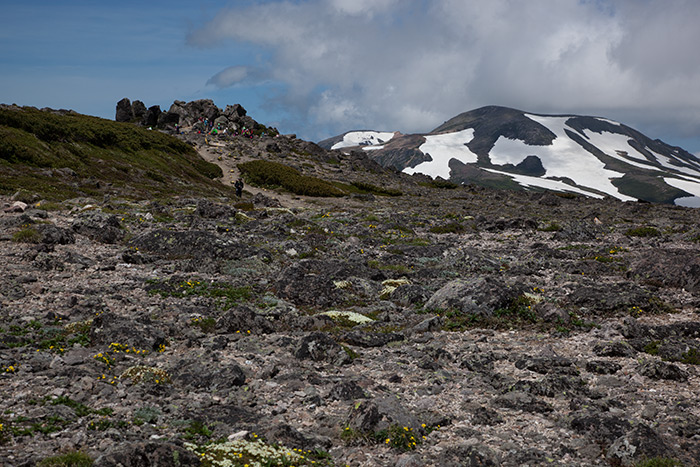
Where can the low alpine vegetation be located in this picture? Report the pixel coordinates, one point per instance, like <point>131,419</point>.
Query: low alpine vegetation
<point>267,173</point>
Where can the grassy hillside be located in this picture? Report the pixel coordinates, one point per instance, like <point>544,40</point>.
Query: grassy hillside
<point>60,155</point>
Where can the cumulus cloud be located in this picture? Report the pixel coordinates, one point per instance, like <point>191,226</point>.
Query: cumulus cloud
<point>409,65</point>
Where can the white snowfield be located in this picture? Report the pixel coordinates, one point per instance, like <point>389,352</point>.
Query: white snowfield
<point>364,138</point>
<point>564,158</point>
<point>689,186</point>
<point>443,148</point>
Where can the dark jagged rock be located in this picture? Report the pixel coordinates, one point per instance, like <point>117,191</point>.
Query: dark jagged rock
<point>544,365</point>
<point>614,349</point>
<point>641,443</point>
<point>313,282</point>
<point>287,435</point>
<point>320,347</point>
<point>139,110</point>
<point>371,339</point>
<point>210,210</point>
<point>210,376</point>
<point>345,391</point>
<point>655,369</point>
<point>603,367</point>
<point>100,227</point>
<point>606,298</point>
<point>152,116</point>
<point>125,112</point>
<point>141,334</point>
<point>195,244</point>
<point>52,235</point>
<point>520,400</point>
<point>673,268</point>
<point>148,454</point>
<point>486,416</point>
<point>243,319</point>
<point>469,455</point>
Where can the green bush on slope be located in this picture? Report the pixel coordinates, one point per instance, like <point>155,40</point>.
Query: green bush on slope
<point>266,173</point>
<point>54,153</point>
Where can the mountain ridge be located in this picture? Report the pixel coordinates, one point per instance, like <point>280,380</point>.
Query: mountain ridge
<point>593,156</point>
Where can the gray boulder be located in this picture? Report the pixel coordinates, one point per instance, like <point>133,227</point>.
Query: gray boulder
<point>479,296</point>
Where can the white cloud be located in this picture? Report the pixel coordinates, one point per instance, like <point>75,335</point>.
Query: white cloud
<point>362,7</point>
<point>409,65</point>
<point>229,76</point>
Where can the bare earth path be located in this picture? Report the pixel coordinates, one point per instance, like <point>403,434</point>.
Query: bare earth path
<point>218,154</point>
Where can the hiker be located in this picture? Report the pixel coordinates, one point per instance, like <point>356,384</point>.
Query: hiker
<point>239,187</point>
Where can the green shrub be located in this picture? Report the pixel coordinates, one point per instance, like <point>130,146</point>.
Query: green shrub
<point>266,173</point>
<point>552,227</point>
<point>659,462</point>
<point>652,348</point>
<point>26,235</point>
<point>401,438</point>
<point>452,227</point>
<point>369,188</point>
<point>643,232</point>
<point>207,324</point>
<point>441,184</point>
<point>196,429</point>
<point>691,357</point>
<point>70,459</point>
<point>227,295</point>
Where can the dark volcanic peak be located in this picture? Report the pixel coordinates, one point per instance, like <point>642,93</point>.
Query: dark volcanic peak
<point>504,147</point>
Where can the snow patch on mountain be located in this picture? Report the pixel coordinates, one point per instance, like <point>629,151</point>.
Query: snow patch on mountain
<point>612,122</point>
<point>692,187</point>
<point>536,182</point>
<point>363,138</point>
<point>563,158</point>
<point>686,168</point>
<point>443,148</point>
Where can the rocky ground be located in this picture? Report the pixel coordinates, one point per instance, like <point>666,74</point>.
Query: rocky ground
<point>441,327</point>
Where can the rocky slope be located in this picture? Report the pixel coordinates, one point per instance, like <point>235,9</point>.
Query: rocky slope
<point>442,326</point>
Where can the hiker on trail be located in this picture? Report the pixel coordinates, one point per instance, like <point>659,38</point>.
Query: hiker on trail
<point>239,187</point>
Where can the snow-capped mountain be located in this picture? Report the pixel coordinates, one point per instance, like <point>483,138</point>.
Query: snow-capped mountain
<point>504,147</point>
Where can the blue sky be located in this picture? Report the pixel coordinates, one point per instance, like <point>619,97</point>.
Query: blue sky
<point>321,67</point>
